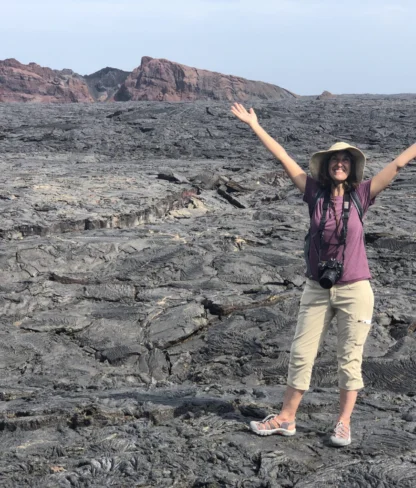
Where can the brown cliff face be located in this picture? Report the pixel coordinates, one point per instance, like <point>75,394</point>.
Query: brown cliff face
<point>154,79</point>
<point>33,83</point>
<point>160,79</point>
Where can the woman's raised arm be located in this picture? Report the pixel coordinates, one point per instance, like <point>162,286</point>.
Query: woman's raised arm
<point>382,179</point>
<point>293,170</point>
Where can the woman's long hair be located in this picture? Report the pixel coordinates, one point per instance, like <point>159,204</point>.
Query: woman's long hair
<point>326,181</point>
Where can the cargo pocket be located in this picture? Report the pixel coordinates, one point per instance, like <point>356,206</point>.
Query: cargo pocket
<point>362,331</point>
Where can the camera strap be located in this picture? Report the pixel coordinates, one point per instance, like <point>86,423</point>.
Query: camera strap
<point>346,205</point>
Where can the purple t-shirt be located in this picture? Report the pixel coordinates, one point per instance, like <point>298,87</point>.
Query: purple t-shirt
<point>355,259</point>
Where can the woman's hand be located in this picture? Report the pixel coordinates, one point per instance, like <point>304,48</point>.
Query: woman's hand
<point>248,117</point>
<point>294,171</point>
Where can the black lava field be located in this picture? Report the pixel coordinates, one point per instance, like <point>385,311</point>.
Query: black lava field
<point>150,274</point>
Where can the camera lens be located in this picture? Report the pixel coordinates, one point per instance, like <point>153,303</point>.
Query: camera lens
<point>328,279</point>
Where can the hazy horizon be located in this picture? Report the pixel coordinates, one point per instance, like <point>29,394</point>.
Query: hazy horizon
<point>305,47</point>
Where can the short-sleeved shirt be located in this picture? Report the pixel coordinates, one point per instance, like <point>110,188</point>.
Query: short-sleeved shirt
<point>355,259</point>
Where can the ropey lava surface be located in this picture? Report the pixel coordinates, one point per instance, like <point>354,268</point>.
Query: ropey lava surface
<point>151,270</point>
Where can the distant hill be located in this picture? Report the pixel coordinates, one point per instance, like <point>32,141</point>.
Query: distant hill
<point>160,79</point>
<point>105,83</point>
<point>33,83</point>
<point>153,80</point>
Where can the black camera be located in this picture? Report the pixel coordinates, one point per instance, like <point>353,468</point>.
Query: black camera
<point>329,272</point>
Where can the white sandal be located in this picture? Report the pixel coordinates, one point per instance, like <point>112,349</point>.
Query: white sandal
<point>341,436</point>
<point>269,426</point>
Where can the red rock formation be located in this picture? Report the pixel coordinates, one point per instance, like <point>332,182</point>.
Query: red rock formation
<point>33,83</point>
<point>154,79</point>
<point>160,79</point>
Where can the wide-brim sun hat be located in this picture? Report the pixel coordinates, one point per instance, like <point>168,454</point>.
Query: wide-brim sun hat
<point>320,157</point>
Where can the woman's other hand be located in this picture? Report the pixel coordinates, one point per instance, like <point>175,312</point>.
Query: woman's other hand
<point>248,117</point>
<point>294,171</point>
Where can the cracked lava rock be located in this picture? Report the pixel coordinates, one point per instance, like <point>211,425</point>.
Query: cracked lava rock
<point>151,271</point>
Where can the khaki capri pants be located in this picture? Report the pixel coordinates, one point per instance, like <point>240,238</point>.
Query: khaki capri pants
<point>353,305</point>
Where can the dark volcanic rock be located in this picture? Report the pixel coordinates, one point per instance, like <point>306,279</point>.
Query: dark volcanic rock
<point>33,83</point>
<point>150,274</point>
<point>163,80</point>
<point>105,83</point>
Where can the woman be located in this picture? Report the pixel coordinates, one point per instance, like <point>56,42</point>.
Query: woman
<point>337,276</point>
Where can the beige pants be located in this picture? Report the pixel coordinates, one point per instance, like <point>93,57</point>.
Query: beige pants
<point>352,304</point>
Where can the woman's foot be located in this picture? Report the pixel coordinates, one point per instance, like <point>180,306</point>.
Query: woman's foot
<point>272,425</point>
<point>342,435</point>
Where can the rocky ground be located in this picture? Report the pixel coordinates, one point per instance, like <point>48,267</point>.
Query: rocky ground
<point>151,270</point>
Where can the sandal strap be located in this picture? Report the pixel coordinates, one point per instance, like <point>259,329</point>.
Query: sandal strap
<point>275,424</point>
<point>342,430</point>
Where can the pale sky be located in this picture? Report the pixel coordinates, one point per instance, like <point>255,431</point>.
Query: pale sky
<point>359,46</point>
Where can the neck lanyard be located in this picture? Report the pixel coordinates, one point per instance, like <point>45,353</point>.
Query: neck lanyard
<point>346,205</point>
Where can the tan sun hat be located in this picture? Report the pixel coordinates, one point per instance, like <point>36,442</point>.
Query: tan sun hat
<point>318,158</point>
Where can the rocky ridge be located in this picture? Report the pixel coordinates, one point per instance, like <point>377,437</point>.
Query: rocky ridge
<point>105,83</point>
<point>162,80</point>
<point>154,79</point>
<point>33,83</point>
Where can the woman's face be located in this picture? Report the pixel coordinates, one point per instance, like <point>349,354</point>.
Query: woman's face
<point>339,166</point>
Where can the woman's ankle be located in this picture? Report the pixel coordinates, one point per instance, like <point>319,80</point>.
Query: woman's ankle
<point>345,420</point>
<point>283,417</point>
